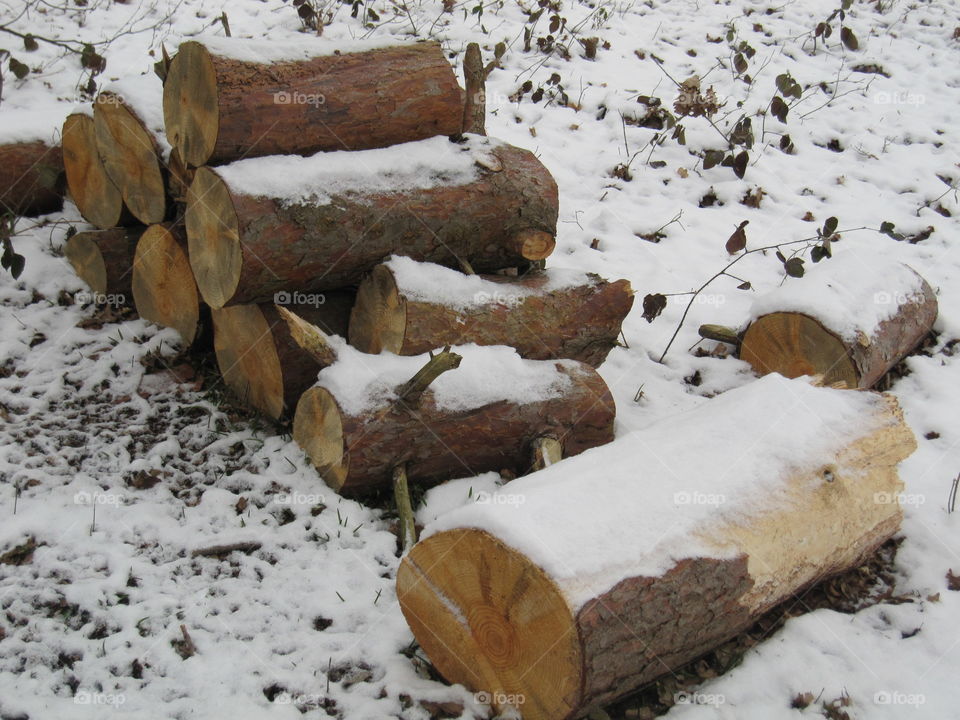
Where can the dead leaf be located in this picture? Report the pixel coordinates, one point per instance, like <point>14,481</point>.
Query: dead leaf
<point>738,241</point>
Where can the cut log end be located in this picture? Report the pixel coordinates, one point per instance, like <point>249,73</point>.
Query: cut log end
<point>379,318</point>
<point>318,429</point>
<point>87,261</point>
<point>164,290</point>
<point>213,237</point>
<point>309,337</point>
<point>190,108</point>
<point>793,345</point>
<point>533,245</point>
<point>96,196</point>
<point>490,619</point>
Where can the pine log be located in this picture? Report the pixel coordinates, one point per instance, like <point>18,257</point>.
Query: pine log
<point>483,416</point>
<point>259,358</point>
<point>594,581</point>
<point>130,140</point>
<point>104,260</point>
<point>31,178</point>
<point>162,283</point>
<point>96,196</point>
<point>832,325</point>
<point>231,98</point>
<point>410,308</point>
<point>321,222</point>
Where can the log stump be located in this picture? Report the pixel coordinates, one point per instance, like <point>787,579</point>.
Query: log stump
<point>162,283</point>
<point>595,581</point>
<point>104,260</point>
<point>96,196</point>
<point>410,308</point>
<point>31,178</point>
<point>321,222</point>
<point>231,98</point>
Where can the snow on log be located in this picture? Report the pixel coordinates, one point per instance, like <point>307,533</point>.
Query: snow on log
<point>849,320</point>
<point>610,569</point>
<point>410,308</point>
<point>259,357</point>
<point>231,98</point>
<point>483,416</point>
<point>164,290</point>
<point>103,259</point>
<point>96,196</point>
<point>31,162</point>
<point>129,129</point>
<point>268,225</point>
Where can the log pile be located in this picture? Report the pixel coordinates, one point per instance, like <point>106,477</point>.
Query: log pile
<point>31,164</point>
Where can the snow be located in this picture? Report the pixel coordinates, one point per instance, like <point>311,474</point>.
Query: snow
<point>419,165</point>
<point>487,374</point>
<point>432,283</point>
<point>850,295</point>
<point>77,419</point>
<point>269,51</point>
<point>637,507</point>
<point>25,126</point>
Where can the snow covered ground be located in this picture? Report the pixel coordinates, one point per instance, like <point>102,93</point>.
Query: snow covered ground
<point>117,474</point>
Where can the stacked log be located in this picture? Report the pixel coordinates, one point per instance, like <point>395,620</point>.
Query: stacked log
<point>96,196</point>
<point>164,291</point>
<point>410,308</point>
<point>31,164</point>
<point>104,260</point>
<point>595,581</point>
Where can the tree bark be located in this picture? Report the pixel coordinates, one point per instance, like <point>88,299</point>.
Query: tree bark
<point>359,451</point>
<point>96,196</point>
<point>411,316</point>
<point>218,109</point>
<point>261,361</point>
<point>795,344</point>
<point>491,617</point>
<point>104,260</point>
<point>163,287</point>
<point>248,247</point>
<point>31,178</point>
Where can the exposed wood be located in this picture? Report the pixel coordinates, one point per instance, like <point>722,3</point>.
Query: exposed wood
<point>246,248</point>
<point>93,192</point>
<point>31,178</point>
<point>164,290</point>
<point>104,260</point>
<point>132,155</point>
<point>720,333</point>
<point>579,321</point>
<point>259,358</point>
<point>490,617</point>
<point>179,178</point>
<point>218,109</point>
<point>401,496</point>
<point>474,80</point>
<point>356,452</point>
<point>308,336</point>
<point>411,392</point>
<point>547,451</point>
<point>795,344</point>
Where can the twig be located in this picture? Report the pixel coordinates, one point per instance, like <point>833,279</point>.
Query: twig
<point>401,494</point>
<point>221,551</point>
<point>410,392</point>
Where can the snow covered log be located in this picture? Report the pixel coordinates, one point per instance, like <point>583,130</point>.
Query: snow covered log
<point>164,290</point>
<point>484,415</point>
<point>103,259</point>
<point>129,131</point>
<point>847,320</point>
<point>593,577</point>
<point>230,98</point>
<point>96,196</point>
<point>410,308</point>
<point>31,173</point>
<point>259,358</point>
<point>285,223</point>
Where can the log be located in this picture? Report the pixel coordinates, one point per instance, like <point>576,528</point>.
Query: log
<point>259,227</point>
<point>483,416</point>
<point>595,580</point>
<point>104,260</point>
<point>410,308</point>
<point>129,131</point>
<point>231,98</point>
<point>31,178</point>
<point>849,321</point>
<point>162,283</point>
<point>260,359</point>
<point>96,196</point>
